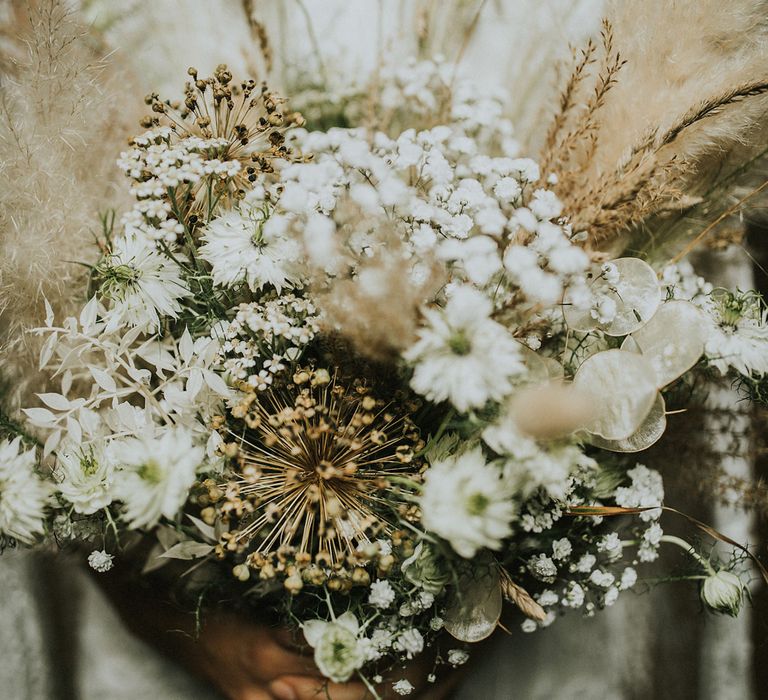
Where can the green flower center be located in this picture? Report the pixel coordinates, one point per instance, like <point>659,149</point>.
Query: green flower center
<point>459,343</point>
<point>150,471</point>
<point>477,503</point>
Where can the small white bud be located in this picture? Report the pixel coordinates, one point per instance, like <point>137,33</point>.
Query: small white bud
<point>723,592</point>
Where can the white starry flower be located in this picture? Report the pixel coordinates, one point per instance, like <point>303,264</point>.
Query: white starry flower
<point>466,502</point>
<point>241,247</point>
<point>100,561</point>
<point>140,284</point>
<point>153,474</point>
<point>462,354</point>
<point>23,495</point>
<point>338,651</point>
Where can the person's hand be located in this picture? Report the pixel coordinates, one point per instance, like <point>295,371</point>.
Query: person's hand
<point>246,660</point>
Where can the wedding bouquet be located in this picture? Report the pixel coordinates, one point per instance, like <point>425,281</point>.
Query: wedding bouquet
<point>379,378</point>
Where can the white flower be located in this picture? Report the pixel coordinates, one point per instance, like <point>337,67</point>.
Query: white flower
<point>647,490</point>
<point>338,652</point>
<point>546,205</point>
<point>403,687</point>
<point>611,544</point>
<point>381,595</point>
<point>547,598</point>
<point>739,341</point>
<point>466,502</point>
<point>723,592</point>
<point>542,568</point>
<point>573,595</point>
<point>528,626</point>
<point>507,189</point>
<point>411,642</point>
<point>457,657</point>
<point>462,354</point>
<point>628,578</point>
<point>561,549</point>
<point>585,563</point>
<point>154,474</point>
<point>141,284</point>
<point>85,478</point>
<point>241,248</point>
<point>100,561</point>
<point>602,578</point>
<point>23,495</point>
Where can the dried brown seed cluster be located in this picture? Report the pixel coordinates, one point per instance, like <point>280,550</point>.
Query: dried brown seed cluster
<point>242,122</point>
<point>313,459</point>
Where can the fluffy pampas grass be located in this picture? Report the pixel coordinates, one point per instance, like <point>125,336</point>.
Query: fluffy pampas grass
<point>59,135</point>
<point>656,111</point>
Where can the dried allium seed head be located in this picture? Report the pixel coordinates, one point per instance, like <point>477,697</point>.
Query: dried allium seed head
<point>311,471</point>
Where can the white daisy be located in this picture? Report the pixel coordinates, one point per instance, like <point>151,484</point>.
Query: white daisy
<point>466,502</point>
<point>242,246</point>
<point>140,283</point>
<point>154,474</point>
<point>23,495</point>
<point>462,354</point>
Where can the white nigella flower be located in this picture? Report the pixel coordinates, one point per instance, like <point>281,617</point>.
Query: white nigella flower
<point>85,478</point>
<point>23,495</point>
<point>338,651</point>
<point>738,336</point>
<point>462,354</point>
<point>466,502</point>
<point>154,474</point>
<point>141,284</point>
<point>100,561</point>
<point>244,247</point>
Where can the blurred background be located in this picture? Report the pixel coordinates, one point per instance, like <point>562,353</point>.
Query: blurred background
<point>60,637</point>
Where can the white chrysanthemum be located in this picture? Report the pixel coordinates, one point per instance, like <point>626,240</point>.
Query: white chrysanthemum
<point>154,474</point>
<point>100,561</point>
<point>23,495</point>
<point>241,248</point>
<point>466,502</point>
<point>141,284</point>
<point>462,354</point>
<point>85,478</point>
<point>338,650</point>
